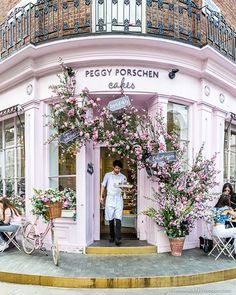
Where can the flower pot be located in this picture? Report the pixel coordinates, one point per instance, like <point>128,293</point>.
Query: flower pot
<point>176,246</point>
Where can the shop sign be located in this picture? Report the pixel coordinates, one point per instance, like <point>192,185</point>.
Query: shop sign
<point>119,103</point>
<point>116,78</point>
<point>161,158</point>
<point>69,136</point>
<point>10,110</point>
<point>90,168</point>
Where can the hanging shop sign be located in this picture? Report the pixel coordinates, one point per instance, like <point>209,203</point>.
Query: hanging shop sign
<point>119,103</point>
<point>161,158</point>
<point>69,136</point>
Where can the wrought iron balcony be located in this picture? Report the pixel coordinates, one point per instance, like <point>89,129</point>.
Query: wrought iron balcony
<point>181,20</point>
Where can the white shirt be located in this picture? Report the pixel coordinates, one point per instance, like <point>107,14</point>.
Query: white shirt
<point>114,200</point>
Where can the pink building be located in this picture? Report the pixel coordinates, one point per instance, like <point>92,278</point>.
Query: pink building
<point>139,45</point>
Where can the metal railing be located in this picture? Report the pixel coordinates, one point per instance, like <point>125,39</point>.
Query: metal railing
<point>181,20</point>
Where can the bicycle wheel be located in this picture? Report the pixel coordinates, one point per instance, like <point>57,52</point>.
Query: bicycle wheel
<point>55,248</point>
<point>28,238</point>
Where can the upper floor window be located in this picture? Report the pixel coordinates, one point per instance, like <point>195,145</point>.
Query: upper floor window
<point>211,5</point>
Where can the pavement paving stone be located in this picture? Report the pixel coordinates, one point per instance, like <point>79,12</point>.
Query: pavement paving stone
<point>81,265</point>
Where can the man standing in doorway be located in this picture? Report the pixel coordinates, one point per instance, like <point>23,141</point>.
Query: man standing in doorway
<point>114,201</point>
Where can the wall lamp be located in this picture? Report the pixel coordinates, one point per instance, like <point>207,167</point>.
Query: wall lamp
<point>172,73</point>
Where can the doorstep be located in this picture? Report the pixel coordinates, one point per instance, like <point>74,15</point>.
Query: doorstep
<point>127,247</point>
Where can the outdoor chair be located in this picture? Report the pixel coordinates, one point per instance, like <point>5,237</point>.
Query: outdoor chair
<point>221,246</point>
<point>11,238</point>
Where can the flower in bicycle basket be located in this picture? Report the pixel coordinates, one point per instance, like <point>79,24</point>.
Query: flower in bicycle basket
<point>41,200</point>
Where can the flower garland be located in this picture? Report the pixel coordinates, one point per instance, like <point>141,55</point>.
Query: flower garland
<point>128,133</point>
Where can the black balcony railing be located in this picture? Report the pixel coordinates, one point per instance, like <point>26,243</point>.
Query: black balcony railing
<point>180,20</point>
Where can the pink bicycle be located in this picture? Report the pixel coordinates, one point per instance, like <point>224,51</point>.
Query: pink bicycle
<point>34,240</point>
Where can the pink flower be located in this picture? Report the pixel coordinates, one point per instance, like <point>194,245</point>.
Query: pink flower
<point>71,113</point>
<point>162,146</point>
<point>72,100</point>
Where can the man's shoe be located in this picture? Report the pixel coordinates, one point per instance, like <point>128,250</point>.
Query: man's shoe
<point>111,240</point>
<point>118,242</point>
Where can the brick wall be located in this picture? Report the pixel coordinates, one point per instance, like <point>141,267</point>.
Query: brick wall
<point>228,9</point>
<point>5,6</point>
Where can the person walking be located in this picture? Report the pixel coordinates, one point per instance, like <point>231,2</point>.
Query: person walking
<point>114,200</point>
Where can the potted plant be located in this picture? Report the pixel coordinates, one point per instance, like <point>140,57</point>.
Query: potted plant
<point>47,203</point>
<point>182,196</point>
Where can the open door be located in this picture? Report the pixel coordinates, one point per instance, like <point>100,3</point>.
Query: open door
<point>129,219</point>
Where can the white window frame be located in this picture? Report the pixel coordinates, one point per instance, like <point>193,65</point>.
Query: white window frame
<point>15,147</point>
<point>227,149</point>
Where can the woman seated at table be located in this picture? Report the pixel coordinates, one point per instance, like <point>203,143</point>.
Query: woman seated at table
<point>11,220</point>
<point>227,189</point>
<point>222,213</point>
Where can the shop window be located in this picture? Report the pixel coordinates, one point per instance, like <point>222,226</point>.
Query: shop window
<point>177,120</point>
<point>62,175</point>
<point>230,155</point>
<point>12,160</point>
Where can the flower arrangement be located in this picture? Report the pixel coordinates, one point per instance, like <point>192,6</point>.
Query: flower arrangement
<point>183,195</point>
<point>69,201</point>
<point>42,198</point>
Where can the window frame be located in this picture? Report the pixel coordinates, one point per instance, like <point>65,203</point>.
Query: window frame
<point>16,178</point>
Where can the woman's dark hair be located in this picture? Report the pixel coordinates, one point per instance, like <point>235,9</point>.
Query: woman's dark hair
<point>7,204</point>
<point>228,185</point>
<point>117,163</point>
<point>223,201</point>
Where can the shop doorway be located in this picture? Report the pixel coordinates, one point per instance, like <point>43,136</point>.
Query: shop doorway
<point>129,219</point>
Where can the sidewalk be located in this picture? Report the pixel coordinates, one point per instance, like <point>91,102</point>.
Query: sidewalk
<point>115,271</point>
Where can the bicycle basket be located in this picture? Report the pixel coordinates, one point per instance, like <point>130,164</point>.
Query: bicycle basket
<point>54,210</point>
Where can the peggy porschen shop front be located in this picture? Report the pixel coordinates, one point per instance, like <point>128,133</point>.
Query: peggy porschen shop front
<point>195,92</point>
